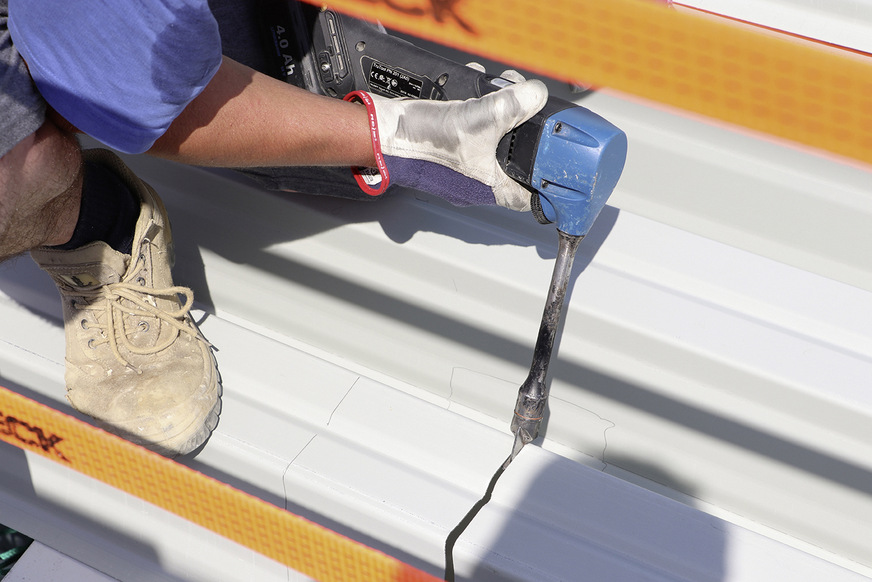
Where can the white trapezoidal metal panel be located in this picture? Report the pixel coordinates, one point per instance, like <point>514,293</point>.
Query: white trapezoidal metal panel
<point>717,349</point>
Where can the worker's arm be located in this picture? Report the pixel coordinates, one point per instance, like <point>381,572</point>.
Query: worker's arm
<point>246,119</point>
<point>169,91</point>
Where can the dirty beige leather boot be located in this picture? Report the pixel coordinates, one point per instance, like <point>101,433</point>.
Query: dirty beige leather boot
<point>135,360</point>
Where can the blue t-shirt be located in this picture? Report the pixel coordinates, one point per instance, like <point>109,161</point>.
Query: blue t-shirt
<point>119,70</point>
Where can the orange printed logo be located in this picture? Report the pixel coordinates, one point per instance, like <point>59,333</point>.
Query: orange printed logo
<point>439,10</point>
<point>31,436</point>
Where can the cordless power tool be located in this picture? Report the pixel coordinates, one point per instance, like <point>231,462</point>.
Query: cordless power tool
<point>567,156</point>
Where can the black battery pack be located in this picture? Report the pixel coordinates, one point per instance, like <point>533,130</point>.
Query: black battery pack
<point>333,54</point>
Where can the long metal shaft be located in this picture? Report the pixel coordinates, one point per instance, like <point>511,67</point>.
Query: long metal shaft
<point>533,394</point>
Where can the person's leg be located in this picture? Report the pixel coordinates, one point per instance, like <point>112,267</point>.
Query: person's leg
<point>135,360</point>
<point>40,191</point>
<point>39,163</point>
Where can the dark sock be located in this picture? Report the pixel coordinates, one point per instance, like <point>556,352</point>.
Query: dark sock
<point>108,212</point>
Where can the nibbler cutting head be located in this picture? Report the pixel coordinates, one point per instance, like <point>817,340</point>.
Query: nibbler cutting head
<point>578,161</point>
<point>579,158</point>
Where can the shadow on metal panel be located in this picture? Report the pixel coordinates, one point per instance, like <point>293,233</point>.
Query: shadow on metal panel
<point>248,248</point>
<point>577,524</point>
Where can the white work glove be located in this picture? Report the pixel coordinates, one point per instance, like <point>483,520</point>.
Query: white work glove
<point>448,148</point>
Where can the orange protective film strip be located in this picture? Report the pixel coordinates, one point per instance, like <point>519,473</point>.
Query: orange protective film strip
<point>287,538</point>
<point>776,84</point>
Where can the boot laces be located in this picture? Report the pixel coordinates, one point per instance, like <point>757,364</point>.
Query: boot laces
<point>126,302</point>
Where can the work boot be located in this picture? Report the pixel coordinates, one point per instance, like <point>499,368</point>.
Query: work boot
<point>135,360</point>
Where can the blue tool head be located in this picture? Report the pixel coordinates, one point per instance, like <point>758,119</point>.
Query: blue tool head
<point>578,163</point>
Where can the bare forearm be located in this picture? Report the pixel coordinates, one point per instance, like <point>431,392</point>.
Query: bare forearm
<point>246,119</point>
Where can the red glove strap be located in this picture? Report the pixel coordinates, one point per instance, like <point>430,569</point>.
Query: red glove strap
<point>366,176</point>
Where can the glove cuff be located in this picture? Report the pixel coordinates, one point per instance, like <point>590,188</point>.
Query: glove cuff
<point>373,181</point>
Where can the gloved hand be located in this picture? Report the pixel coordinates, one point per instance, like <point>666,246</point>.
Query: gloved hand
<point>448,148</point>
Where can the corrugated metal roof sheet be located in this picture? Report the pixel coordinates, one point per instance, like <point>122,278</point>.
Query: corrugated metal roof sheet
<point>710,410</point>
